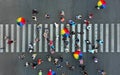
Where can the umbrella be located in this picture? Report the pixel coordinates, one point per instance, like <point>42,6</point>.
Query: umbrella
<point>101,4</point>
<point>78,54</point>
<point>21,21</point>
<point>51,72</point>
<point>65,32</point>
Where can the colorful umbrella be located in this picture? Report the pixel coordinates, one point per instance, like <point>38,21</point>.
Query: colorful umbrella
<point>51,72</point>
<point>21,21</point>
<point>101,4</point>
<point>65,32</point>
<point>78,54</point>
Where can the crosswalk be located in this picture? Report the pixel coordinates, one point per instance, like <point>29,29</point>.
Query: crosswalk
<point>109,33</point>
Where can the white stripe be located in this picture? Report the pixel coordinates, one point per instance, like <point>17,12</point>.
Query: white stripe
<point>12,37</point>
<point>101,36</point>
<point>34,37</point>
<point>90,35</point>
<point>23,38</point>
<point>84,38</point>
<point>51,31</point>
<point>40,36</point>
<point>112,37</point>
<point>18,39</point>
<point>7,34</point>
<point>73,39</point>
<point>61,41</point>
<point>29,33</point>
<point>1,37</point>
<point>118,37</point>
<point>78,35</point>
<point>95,33</point>
<point>57,39</point>
<point>107,37</point>
<point>46,43</point>
<point>68,39</point>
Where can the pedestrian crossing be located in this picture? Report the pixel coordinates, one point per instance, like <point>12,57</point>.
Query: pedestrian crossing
<point>109,33</point>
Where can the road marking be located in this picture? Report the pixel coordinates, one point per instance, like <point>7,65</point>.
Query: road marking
<point>34,37</point>
<point>23,38</point>
<point>112,37</point>
<point>61,41</point>
<point>12,37</point>
<point>95,33</point>
<point>1,37</point>
<point>18,39</point>
<point>73,39</point>
<point>90,35</point>
<point>40,35</point>
<point>101,36</point>
<point>7,34</point>
<point>29,33</point>
<point>84,38</point>
<point>51,31</point>
<point>107,38</point>
<point>78,35</point>
<point>118,37</point>
<point>46,43</point>
<point>57,39</point>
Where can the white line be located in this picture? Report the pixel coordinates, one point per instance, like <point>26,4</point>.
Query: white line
<point>18,39</point>
<point>1,37</point>
<point>118,37</point>
<point>46,43</point>
<point>78,35</point>
<point>12,37</point>
<point>51,31</point>
<point>95,33</point>
<point>68,39</point>
<point>101,36</point>
<point>73,39</point>
<point>23,38</point>
<point>61,41</point>
<point>90,35</point>
<point>40,35</point>
<point>84,38</point>
<point>57,39</point>
<point>34,37</point>
<point>29,33</point>
<point>107,37</point>
<point>112,37</point>
<point>7,34</point>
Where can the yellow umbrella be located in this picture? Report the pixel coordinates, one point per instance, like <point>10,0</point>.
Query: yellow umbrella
<point>62,32</point>
<point>99,3</point>
<point>76,56</point>
<point>19,19</point>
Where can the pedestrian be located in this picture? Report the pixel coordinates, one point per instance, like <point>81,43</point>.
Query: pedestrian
<point>35,12</point>
<point>82,67</point>
<point>56,61</point>
<point>87,41</point>
<point>61,59</point>
<point>71,67</point>
<point>102,72</point>
<point>62,19</point>
<point>27,64</point>
<point>10,42</point>
<point>59,66</point>
<point>40,72</point>
<point>39,61</point>
<point>47,16</point>
<point>90,15</point>
<point>34,56</point>
<point>49,58</point>
<point>76,40</point>
<point>22,56</point>
<point>100,41</point>
<point>34,18</point>
<point>80,32</point>
<point>62,13</point>
<point>56,25</point>
<point>85,73</point>
<point>72,33</point>
<point>34,64</point>
<point>95,59</point>
<point>93,51</point>
<point>88,27</point>
<point>87,22</point>
<point>79,17</point>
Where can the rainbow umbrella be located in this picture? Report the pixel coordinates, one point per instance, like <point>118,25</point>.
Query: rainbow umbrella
<point>101,4</point>
<point>65,32</point>
<point>78,54</point>
<point>51,72</point>
<point>21,21</point>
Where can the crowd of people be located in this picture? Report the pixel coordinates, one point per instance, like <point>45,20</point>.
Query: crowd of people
<point>58,60</point>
